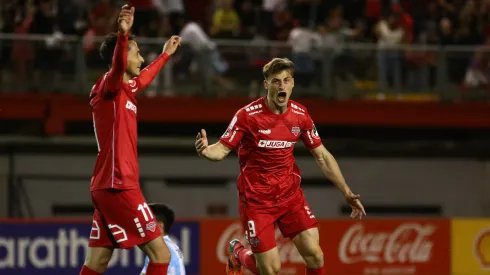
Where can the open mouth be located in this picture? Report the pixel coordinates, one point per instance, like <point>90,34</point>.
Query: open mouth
<point>281,97</point>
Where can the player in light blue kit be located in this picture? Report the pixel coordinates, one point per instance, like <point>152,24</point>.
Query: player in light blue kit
<point>165,218</point>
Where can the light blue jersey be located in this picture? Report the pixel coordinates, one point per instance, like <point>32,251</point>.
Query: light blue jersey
<point>176,265</point>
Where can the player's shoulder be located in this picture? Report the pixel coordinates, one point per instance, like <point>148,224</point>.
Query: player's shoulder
<point>99,85</point>
<point>298,108</point>
<point>253,108</point>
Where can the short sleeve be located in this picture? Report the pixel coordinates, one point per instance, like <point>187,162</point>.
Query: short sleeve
<point>310,136</point>
<point>235,131</point>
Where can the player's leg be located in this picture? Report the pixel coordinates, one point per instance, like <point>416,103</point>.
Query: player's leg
<point>131,223</point>
<point>260,232</point>
<point>268,262</point>
<point>100,247</point>
<point>97,260</point>
<point>300,225</point>
<point>308,244</point>
<point>158,254</point>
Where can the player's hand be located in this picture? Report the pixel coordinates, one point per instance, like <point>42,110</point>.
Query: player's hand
<point>201,142</point>
<point>357,208</point>
<point>171,45</point>
<point>126,18</point>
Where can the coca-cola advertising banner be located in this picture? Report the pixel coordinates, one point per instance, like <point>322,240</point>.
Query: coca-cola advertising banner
<point>371,247</point>
<point>386,247</point>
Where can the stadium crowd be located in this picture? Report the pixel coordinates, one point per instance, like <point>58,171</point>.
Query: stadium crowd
<point>304,25</point>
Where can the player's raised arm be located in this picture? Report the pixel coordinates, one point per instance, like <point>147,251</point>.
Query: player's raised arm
<point>119,58</point>
<point>149,73</point>
<point>214,152</point>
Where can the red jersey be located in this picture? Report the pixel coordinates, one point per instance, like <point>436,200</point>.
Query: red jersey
<point>265,142</point>
<point>114,111</point>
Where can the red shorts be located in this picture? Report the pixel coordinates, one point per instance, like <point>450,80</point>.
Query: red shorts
<point>122,219</point>
<point>260,224</point>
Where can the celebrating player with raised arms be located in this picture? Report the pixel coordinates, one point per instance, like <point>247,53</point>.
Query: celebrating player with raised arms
<point>122,218</point>
<point>264,134</point>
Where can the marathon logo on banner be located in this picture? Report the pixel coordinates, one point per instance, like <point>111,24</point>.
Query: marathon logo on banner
<point>59,248</point>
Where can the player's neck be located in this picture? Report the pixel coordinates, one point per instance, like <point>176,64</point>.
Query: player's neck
<point>274,108</point>
<point>126,77</point>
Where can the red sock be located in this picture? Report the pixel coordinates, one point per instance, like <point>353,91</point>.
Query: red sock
<point>87,271</point>
<point>315,271</point>
<point>157,269</point>
<point>247,259</point>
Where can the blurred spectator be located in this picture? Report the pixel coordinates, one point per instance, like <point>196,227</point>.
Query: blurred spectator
<point>334,35</point>
<point>478,72</point>
<point>281,26</point>
<point>172,9</point>
<point>390,35</point>
<point>23,51</point>
<point>302,41</point>
<point>270,8</point>
<point>305,11</point>
<point>248,18</point>
<point>203,52</point>
<point>74,17</point>
<point>48,56</point>
<point>226,23</point>
<point>103,17</point>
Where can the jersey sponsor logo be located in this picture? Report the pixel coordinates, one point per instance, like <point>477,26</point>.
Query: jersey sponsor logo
<point>265,132</point>
<point>254,113</point>
<point>131,106</point>
<point>275,144</point>
<point>299,113</point>
<point>295,130</point>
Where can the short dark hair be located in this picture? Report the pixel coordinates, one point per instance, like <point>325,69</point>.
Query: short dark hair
<point>109,45</point>
<point>278,65</point>
<point>164,214</point>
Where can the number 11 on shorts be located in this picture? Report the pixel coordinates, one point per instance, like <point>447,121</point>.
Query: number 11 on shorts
<point>144,208</point>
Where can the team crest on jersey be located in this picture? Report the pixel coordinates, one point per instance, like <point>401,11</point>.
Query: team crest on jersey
<point>295,130</point>
<point>151,226</point>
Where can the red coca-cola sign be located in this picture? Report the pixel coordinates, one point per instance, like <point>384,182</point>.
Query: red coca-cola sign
<point>386,247</point>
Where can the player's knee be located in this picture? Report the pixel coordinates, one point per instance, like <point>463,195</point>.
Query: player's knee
<point>271,268</point>
<point>314,259</point>
<point>157,251</point>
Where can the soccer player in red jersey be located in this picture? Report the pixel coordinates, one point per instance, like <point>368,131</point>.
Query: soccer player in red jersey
<point>264,134</point>
<point>122,218</point>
